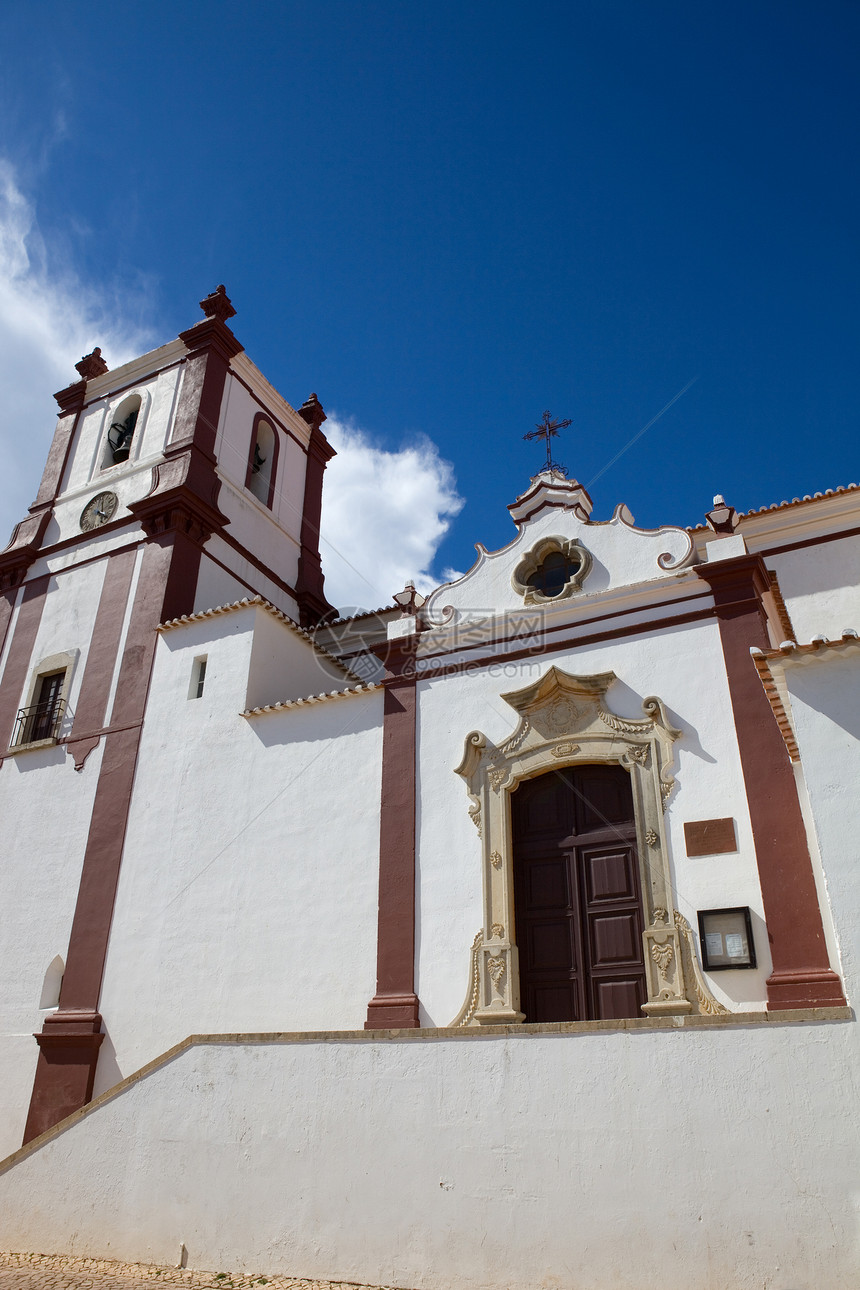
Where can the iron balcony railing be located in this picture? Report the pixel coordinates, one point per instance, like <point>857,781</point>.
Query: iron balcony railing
<point>38,721</point>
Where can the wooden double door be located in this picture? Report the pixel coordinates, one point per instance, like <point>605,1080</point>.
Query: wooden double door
<point>577,896</point>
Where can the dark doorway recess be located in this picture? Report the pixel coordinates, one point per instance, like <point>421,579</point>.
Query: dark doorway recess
<point>577,899</point>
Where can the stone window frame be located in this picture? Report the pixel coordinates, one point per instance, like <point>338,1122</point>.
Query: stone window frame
<point>532,560</point>
<point>564,721</point>
<point>64,663</point>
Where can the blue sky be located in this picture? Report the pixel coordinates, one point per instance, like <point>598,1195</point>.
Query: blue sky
<point>445,218</point>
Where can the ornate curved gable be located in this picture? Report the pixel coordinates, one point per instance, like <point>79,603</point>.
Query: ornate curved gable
<point>553,521</point>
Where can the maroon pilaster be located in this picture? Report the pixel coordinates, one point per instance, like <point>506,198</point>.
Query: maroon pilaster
<point>7,605</point>
<point>71,401</point>
<point>91,710</point>
<point>310,593</point>
<point>18,659</point>
<point>66,1068</point>
<point>69,1042</point>
<point>395,1002</point>
<point>211,345</point>
<point>801,975</point>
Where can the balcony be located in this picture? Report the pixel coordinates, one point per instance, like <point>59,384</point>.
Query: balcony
<point>39,723</point>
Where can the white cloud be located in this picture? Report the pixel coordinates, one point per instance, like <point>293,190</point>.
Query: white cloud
<point>384,515</point>
<point>48,319</point>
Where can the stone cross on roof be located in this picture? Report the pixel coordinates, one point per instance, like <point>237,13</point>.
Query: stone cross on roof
<point>548,429</point>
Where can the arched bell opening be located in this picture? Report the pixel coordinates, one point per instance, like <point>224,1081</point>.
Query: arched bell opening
<point>121,432</point>
<point>262,462</point>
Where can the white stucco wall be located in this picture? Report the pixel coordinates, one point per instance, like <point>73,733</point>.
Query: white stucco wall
<point>825,706</point>
<point>274,535</point>
<point>284,665</point>
<point>706,1158</point>
<point>248,891</point>
<point>238,411</point>
<point>229,576</point>
<point>215,586</point>
<point>821,587</point>
<point>684,667</point>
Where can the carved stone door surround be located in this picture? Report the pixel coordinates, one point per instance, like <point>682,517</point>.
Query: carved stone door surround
<point>564,720</point>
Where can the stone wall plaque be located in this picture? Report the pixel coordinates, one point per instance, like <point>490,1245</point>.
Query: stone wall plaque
<point>710,837</point>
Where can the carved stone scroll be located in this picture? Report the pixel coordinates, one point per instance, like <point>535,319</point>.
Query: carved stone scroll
<point>470,1005</point>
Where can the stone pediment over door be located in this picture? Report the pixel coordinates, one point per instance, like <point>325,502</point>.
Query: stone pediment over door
<point>553,519</point>
<point>563,719</point>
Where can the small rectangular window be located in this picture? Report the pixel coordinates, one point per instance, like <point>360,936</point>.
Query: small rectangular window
<point>198,678</point>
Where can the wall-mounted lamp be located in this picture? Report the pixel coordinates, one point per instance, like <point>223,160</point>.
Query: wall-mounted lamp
<point>725,936</point>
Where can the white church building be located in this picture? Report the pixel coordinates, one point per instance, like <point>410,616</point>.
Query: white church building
<point>502,940</point>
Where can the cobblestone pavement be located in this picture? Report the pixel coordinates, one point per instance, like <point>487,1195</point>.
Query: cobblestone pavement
<point>61,1272</point>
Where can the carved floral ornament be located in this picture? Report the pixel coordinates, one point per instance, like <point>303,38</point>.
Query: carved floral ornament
<point>564,720</point>
<point>552,570</point>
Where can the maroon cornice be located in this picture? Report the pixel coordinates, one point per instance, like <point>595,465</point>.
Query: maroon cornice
<point>212,333</point>
<point>801,975</point>
<point>395,1003</point>
<point>738,585</point>
<point>177,510</point>
<point>71,397</point>
<point>22,551</point>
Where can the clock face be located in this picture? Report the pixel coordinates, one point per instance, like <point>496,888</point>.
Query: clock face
<point>98,511</point>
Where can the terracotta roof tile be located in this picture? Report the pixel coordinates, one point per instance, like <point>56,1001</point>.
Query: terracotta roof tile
<point>311,699</point>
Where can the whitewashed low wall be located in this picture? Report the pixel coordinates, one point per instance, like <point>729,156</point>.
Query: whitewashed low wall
<point>652,1157</point>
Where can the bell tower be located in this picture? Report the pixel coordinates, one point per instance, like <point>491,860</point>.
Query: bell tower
<point>177,482</point>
